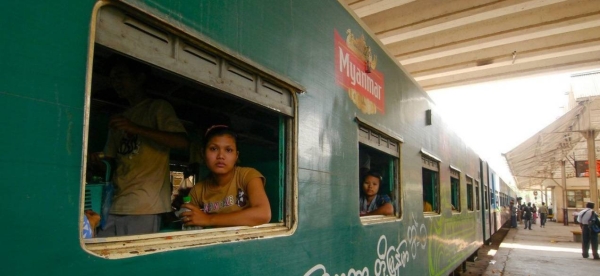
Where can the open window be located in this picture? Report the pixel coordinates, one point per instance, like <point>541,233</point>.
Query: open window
<point>469,193</point>
<point>205,86</point>
<point>431,183</point>
<point>477,193</point>
<point>455,189</point>
<point>378,155</point>
<point>576,198</point>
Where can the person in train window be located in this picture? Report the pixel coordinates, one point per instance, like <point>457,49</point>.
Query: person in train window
<point>139,143</point>
<point>230,195</point>
<point>427,206</point>
<point>371,202</point>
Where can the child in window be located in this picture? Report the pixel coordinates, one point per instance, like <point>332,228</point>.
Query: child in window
<point>371,202</point>
<point>230,195</point>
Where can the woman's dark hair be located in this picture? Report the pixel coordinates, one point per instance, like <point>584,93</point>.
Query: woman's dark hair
<point>219,130</point>
<point>590,205</point>
<point>373,174</point>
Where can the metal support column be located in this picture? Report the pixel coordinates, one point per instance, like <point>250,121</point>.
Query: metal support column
<point>590,136</point>
<point>563,177</point>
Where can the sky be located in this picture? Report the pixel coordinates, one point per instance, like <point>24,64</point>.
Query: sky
<point>495,117</point>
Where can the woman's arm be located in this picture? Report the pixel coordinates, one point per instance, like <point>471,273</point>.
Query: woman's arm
<point>385,209</point>
<point>259,211</point>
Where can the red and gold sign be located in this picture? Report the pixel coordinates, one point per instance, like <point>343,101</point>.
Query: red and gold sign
<point>355,71</point>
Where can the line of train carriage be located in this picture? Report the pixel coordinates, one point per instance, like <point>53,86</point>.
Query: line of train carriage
<point>314,99</point>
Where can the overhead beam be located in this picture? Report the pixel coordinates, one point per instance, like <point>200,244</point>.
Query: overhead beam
<point>554,28</point>
<point>509,60</point>
<point>369,7</point>
<point>514,24</point>
<point>443,43</point>
<point>462,18</point>
<point>418,11</point>
<point>490,55</point>
<point>558,65</point>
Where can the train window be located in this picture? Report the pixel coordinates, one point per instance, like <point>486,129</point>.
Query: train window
<point>477,193</point>
<point>205,87</point>
<point>469,193</point>
<point>431,183</point>
<point>378,156</point>
<point>455,189</point>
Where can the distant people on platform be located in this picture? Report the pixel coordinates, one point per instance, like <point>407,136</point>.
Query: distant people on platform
<point>513,214</point>
<point>543,210</point>
<point>527,215</point>
<point>534,212</point>
<point>587,236</point>
<point>519,209</point>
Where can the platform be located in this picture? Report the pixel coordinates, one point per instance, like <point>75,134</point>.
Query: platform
<point>541,251</point>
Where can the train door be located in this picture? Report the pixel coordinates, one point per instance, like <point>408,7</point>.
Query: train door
<point>493,203</point>
<point>485,208</point>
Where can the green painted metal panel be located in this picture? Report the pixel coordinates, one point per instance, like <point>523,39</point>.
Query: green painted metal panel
<point>44,57</point>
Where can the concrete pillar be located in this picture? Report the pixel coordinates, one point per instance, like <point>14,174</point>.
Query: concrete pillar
<point>544,195</point>
<point>565,215</point>
<point>553,205</point>
<point>590,136</point>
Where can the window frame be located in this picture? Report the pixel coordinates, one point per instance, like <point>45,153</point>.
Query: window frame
<point>455,185</point>
<point>132,246</point>
<point>432,164</point>
<point>470,191</point>
<point>386,144</point>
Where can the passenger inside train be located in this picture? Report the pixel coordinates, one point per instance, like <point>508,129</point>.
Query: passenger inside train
<point>378,174</point>
<point>139,143</point>
<point>371,201</point>
<point>261,134</point>
<point>230,195</point>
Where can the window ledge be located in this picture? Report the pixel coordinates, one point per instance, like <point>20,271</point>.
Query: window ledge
<point>377,219</point>
<point>430,214</point>
<point>131,246</point>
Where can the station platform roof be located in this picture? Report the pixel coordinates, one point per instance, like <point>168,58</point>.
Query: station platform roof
<point>452,43</point>
<point>537,161</point>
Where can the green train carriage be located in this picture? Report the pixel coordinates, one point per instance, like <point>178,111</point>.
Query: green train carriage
<point>311,94</point>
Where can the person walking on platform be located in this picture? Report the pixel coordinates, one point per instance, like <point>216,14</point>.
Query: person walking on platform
<point>527,215</point>
<point>513,215</point>
<point>543,210</point>
<point>588,236</point>
<point>519,209</point>
<point>534,212</point>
